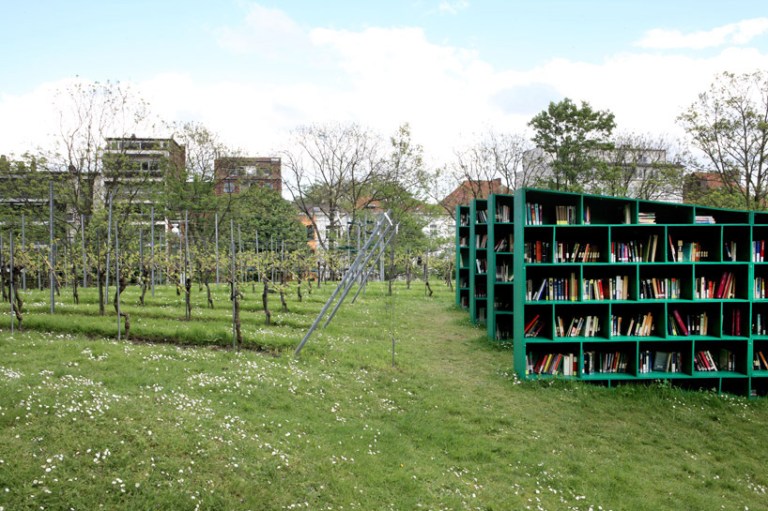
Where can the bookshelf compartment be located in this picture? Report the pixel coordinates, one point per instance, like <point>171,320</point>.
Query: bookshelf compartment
<point>760,282</point>
<point>760,358</point>
<point>608,210</point>
<point>700,320</point>
<point>551,208</point>
<point>609,360</point>
<point>721,282</point>
<point>759,327</point>
<point>704,215</point>
<point>552,283</point>
<point>581,321</point>
<point>537,247</point>
<point>735,319</point>
<point>557,359</point>
<point>637,321</point>
<point>736,247</point>
<point>538,322</point>
<point>724,358</point>
<point>503,327</point>
<point>635,244</point>
<point>665,282</point>
<point>668,213</point>
<point>502,206</point>
<point>581,244</point>
<point>694,243</point>
<point>664,359</point>
<point>609,282</point>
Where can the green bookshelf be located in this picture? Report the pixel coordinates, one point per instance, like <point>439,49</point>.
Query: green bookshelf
<point>462,256</point>
<point>615,290</point>
<point>478,256</point>
<point>500,284</point>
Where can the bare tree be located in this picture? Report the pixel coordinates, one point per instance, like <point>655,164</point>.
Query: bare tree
<point>333,167</point>
<point>729,125</point>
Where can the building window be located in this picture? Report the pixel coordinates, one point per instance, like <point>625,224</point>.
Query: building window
<point>229,186</point>
<point>310,233</point>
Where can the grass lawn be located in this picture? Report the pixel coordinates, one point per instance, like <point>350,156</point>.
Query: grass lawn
<point>91,423</point>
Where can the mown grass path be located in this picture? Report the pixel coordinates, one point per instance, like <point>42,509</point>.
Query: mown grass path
<point>89,423</point>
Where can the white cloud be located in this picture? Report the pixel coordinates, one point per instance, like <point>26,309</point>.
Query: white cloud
<point>381,77</point>
<point>452,6</point>
<point>265,31</point>
<point>740,33</point>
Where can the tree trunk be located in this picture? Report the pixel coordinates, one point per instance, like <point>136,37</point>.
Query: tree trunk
<point>236,298</point>
<point>145,276</point>
<point>188,296</point>
<point>208,294</point>
<point>75,293</point>
<point>123,284</point>
<point>265,302</point>
<point>19,303</point>
<point>100,277</point>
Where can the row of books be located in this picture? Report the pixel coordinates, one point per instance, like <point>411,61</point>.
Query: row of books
<point>583,326</point>
<point>504,273</point>
<point>634,251</point>
<point>481,240</point>
<point>704,361</point>
<point>761,287</point>
<point>758,251</point>
<point>565,364</point>
<point>537,251</point>
<point>687,251</point>
<point>605,362</point>
<point>735,322</point>
<point>646,218</point>
<point>760,327</point>
<point>640,325</point>
<point>565,215</point>
<point>504,244</point>
<point>576,252</point>
<point>482,265</point>
<point>464,220</point>
<point>691,324</point>
<point>705,287</point>
<point>533,214</point>
<point>614,288</point>
<point>760,362</point>
<point>481,217</point>
<point>659,288</point>
<point>553,288</point>
<point>660,362</point>
<point>503,213</point>
<point>534,326</point>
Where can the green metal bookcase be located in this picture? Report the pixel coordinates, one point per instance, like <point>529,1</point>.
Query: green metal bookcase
<point>665,291</point>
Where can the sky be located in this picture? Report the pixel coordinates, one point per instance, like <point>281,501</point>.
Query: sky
<point>453,69</point>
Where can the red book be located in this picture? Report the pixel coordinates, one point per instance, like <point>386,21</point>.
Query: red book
<point>531,323</point>
<point>680,322</point>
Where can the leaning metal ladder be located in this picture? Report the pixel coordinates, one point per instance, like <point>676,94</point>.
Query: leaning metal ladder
<point>379,239</point>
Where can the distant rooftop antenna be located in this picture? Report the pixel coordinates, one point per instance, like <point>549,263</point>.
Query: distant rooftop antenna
<point>378,240</point>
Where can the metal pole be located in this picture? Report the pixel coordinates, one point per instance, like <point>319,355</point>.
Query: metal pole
<point>187,288</point>
<point>233,273</point>
<point>51,273</point>
<point>117,278</point>
<point>10,287</point>
<point>82,247</point>
<point>109,242</point>
<point>216,225</point>
<point>152,250</point>
<point>23,245</point>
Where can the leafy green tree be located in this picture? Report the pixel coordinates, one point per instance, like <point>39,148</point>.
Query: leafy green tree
<point>573,138</point>
<point>729,125</point>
